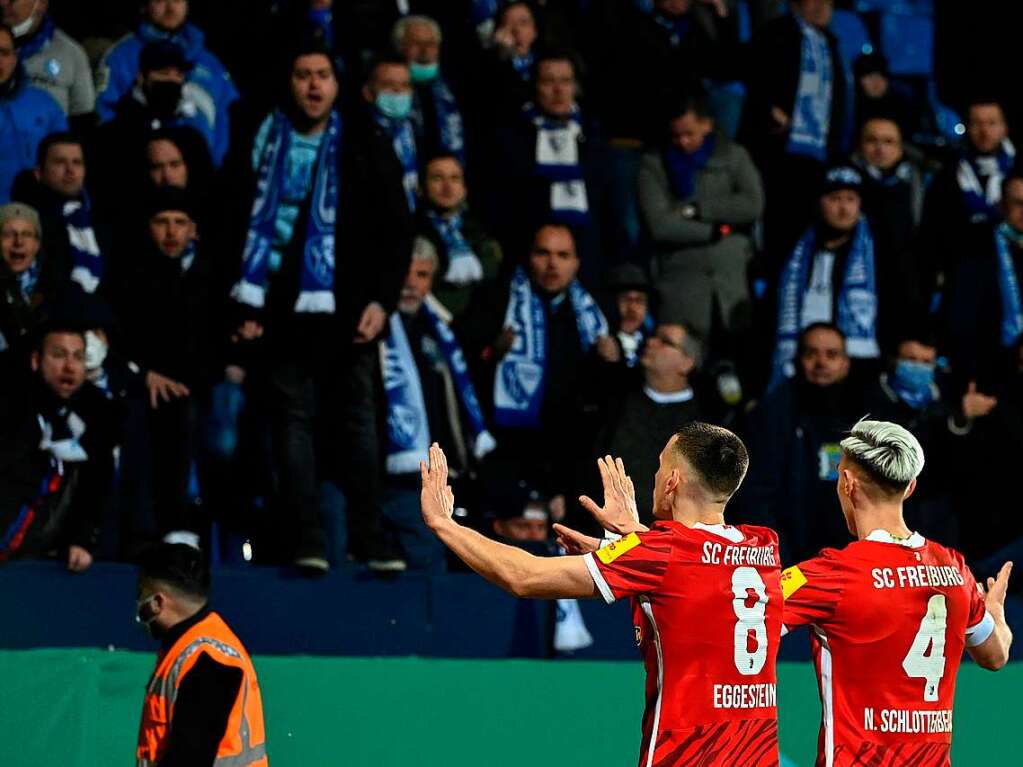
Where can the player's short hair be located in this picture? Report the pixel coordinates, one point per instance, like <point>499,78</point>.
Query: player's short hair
<point>888,453</point>
<point>178,566</point>
<point>718,456</point>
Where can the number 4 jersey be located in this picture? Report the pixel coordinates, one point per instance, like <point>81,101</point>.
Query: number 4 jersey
<point>888,621</point>
<point>707,612</point>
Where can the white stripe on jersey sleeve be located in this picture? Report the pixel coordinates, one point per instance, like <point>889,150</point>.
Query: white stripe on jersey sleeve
<point>976,635</point>
<point>602,587</point>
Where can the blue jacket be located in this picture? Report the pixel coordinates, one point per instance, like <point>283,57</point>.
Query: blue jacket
<point>212,88</point>
<point>27,116</point>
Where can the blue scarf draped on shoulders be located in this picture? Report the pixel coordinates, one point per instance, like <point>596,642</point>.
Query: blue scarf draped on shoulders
<point>981,196</point>
<point>403,137</point>
<point>86,261</point>
<point>519,380</point>
<point>557,160</point>
<point>408,428</point>
<point>316,288</point>
<point>857,300</point>
<point>450,127</point>
<point>811,115</point>
<point>1008,285</point>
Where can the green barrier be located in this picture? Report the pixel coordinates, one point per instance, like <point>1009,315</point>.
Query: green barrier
<point>80,708</point>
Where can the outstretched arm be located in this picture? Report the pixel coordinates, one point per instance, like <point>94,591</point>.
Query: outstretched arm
<point>512,569</point>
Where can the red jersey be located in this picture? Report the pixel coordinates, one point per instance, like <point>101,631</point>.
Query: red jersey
<point>889,621</point>
<point>707,614</point>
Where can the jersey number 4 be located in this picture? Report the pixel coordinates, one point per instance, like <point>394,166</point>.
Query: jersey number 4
<point>750,626</point>
<point>926,657</point>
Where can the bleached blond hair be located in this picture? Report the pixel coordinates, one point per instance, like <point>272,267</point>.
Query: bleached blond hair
<point>886,450</point>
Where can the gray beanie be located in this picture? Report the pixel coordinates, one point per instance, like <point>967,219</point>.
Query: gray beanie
<point>13,210</point>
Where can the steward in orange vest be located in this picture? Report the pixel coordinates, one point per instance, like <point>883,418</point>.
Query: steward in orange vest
<point>202,706</point>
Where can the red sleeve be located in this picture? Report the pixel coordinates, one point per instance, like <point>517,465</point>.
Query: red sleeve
<point>811,590</point>
<point>634,565</point>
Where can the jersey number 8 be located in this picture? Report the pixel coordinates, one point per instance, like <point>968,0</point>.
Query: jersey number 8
<point>751,620</point>
<point>921,664</point>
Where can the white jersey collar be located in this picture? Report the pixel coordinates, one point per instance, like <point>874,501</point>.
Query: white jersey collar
<point>914,541</point>
<point>725,531</point>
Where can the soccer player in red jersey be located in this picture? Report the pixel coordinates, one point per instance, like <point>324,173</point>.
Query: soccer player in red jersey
<point>890,615</point>
<point>706,597</point>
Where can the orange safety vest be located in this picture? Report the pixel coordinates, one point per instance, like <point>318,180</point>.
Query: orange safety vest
<point>244,741</point>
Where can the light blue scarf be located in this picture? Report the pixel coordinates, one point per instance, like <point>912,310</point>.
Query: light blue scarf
<point>316,287</point>
<point>557,161</point>
<point>518,383</point>
<point>28,279</point>
<point>408,429</point>
<point>86,262</point>
<point>404,139</point>
<point>450,127</point>
<point>1008,286</point>
<point>811,116</point>
<point>857,300</point>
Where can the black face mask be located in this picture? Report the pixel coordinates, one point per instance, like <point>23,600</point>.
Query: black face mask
<point>163,97</point>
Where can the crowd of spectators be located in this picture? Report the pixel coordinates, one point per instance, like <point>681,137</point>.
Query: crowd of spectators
<point>247,281</point>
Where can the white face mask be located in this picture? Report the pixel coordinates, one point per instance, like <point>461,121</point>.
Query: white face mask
<point>95,351</point>
<point>22,29</point>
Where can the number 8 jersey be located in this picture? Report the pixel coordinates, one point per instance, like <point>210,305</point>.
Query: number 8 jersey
<point>707,611</point>
<point>888,622</point>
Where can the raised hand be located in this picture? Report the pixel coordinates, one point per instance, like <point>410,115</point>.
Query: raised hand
<point>437,500</point>
<point>619,513</point>
<point>994,599</point>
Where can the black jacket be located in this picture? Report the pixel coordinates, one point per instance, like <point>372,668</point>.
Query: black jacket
<point>792,436</point>
<point>50,206</point>
<point>773,81</point>
<point>520,199</point>
<point>70,511</point>
<point>639,71</point>
<point>971,313</point>
<point>374,233</point>
<point>168,317</point>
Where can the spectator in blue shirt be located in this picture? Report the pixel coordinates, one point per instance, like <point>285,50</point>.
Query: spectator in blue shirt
<point>27,115</point>
<point>208,82</point>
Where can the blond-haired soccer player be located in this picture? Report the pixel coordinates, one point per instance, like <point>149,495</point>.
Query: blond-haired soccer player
<point>706,596</point>
<point>890,615</point>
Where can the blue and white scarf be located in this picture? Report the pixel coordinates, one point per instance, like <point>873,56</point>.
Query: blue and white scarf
<point>464,267</point>
<point>60,436</point>
<point>450,127</point>
<point>683,166</point>
<point>857,300</point>
<point>982,200</point>
<point>811,116</point>
<point>1008,286</point>
<point>518,383</point>
<point>316,287</point>
<point>29,278</point>
<point>403,137</point>
<point>408,429</point>
<point>86,262</point>
<point>39,40</point>
<point>557,161</point>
